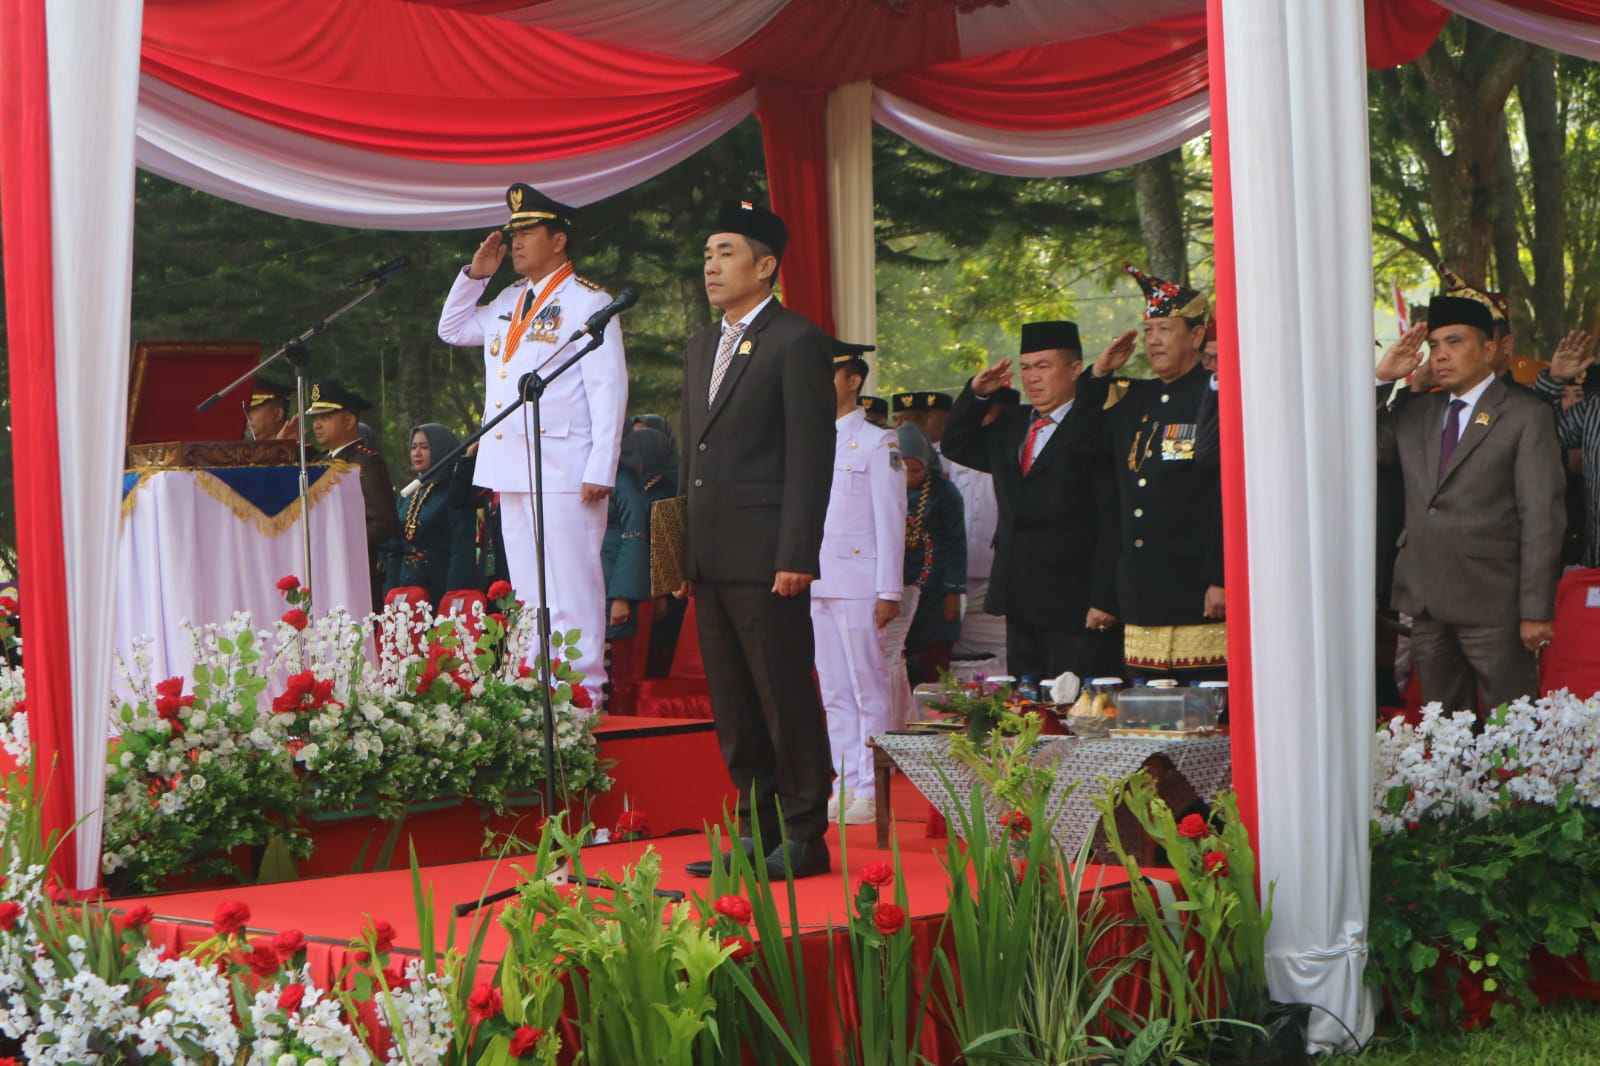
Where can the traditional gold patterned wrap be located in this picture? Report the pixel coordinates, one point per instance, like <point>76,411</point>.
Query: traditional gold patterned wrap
<point>1176,647</point>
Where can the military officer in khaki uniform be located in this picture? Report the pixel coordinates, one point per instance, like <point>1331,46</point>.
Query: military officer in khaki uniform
<point>581,414</point>
<point>858,594</point>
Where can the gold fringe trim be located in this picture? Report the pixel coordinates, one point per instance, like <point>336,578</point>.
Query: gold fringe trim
<point>1176,647</point>
<point>243,509</point>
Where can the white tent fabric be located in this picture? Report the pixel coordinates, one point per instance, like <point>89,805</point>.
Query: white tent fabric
<point>1564,35</point>
<point>94,70</point>
<point>272,169</point>
<point>1029,154</point>
<point>850,234</point>
<point>1297,137</point>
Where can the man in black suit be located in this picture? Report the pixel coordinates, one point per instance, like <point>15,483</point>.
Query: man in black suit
<point>1055,544</point>
<point>756,467</point>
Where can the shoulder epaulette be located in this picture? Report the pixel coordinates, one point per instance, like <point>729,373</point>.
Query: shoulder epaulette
<point>592,286</point>
<point>363,449</point>
<point>1119,388</point>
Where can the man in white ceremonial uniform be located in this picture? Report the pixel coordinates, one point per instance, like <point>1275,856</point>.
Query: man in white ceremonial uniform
<point>581,415</point>
<point>858,593</point>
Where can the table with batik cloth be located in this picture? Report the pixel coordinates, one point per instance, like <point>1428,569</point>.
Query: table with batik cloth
<point>197,545</point>
<point>1185,768</point>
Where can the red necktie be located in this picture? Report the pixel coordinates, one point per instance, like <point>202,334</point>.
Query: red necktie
<point>1039,422</point>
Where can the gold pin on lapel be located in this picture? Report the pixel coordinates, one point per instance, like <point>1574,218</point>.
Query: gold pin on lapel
<point>494,346</point>
<point>745,347</point>
<point>1482,419</point>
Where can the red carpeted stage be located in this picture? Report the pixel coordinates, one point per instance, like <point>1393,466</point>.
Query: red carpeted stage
<point>331,911</point>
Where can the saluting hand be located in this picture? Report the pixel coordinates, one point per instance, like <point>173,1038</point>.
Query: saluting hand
<point>989,381</point>
<point>1116,354</point>
<point>1404,355</point>
<point>486,260</point>
<point>1572,357</point>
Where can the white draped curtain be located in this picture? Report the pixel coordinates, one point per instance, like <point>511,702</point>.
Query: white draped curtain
<point>1042,154</point>
<point>1297,141</point>
<point>94,72</point>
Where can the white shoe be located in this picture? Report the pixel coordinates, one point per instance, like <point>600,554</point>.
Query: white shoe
<point>862,810</point>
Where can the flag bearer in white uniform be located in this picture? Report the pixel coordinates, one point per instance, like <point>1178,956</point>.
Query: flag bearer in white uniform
<point>581,414</point>
<point>863,552</point>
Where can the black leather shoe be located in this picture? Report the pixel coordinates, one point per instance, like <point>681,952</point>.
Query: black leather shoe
<point>806,858</point>
<point>705,867</point>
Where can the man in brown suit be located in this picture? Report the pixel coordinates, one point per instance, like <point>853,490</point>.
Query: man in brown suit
<point>335,422</point>
<point>1480,555</point>
<point>756,468</point>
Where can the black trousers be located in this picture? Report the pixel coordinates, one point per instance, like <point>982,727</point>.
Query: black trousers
<point>1043,653</point>
<point>759,650</point>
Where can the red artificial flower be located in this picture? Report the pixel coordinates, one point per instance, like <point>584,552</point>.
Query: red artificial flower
<point>289,942</point>
<point>499,590</point>
<point>9,1061</point>
<point>295,618</point>
<point>231,917</point>
<point>463,682</point>
<point>383,935</point>
<point>167,707</point>
<point>263,958</point>
<point>1216,863</point>
<point>1017,822</point>
<point>1194,827</point>
<point>288,584</point>
<point>524,670</point>
<point>880,874</point>
<point>394,975</point>
<point>485,1002</point>
<point>580,697</point>
<point>8,605</point>
<point>290,998</point>
<point>426,679</point>
<point>742,947</point>
<point>524,1040</point>
<point>735,907</point>
<point>10,914</point>
<point>56,892</point>
<point>136,918</point>
<point>632,822</point>
<point>498,617</point>
<point>888,918</point>
<point>171,688</point>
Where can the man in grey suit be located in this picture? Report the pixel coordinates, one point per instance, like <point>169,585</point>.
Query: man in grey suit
<point>756,468</point>
<point>1480,555</point>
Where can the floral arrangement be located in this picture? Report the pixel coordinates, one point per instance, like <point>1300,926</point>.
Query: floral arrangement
<point>980,701</point>
<point>1485,856</point>
<point>280,724</point>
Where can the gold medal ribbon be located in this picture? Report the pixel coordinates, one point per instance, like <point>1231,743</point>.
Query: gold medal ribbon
<point>524,320</point>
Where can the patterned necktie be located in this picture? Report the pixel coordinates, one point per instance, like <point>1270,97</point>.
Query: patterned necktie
<point>719,369</point>
<point>1039,422</point>
<point>1452,435</point>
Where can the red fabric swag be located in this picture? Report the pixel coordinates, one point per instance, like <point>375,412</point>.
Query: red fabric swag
<point>1399,31</point>
<point>30,322</point>
<point>1068,85</point>
<point>429,83</point>
<point>794,134</point>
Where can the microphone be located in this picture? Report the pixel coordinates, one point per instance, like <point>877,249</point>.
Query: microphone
<point>597,321</point>
<point>381,273</point>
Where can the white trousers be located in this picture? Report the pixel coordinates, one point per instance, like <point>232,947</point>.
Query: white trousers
<point>573,532</point>
<point>981,634</point>
<point>902,707</point>
<point>855,692</point>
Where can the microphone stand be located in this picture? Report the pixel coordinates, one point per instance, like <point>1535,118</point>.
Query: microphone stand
<point>297,352</point>
<point>530,387</point>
